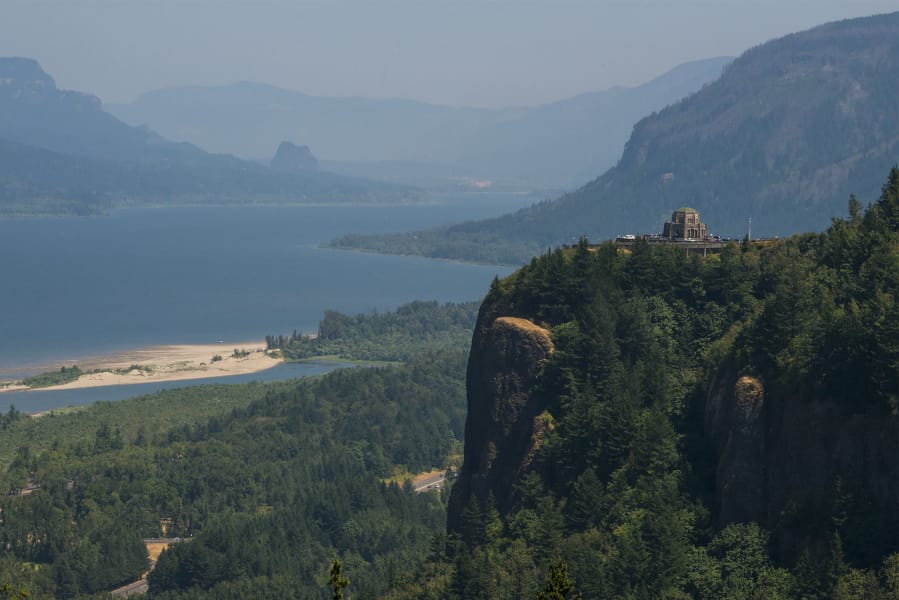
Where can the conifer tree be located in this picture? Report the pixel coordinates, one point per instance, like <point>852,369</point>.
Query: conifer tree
<point>336,579</point>
<point>558,585</point>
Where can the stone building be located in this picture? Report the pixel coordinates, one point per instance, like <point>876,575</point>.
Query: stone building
<point>685,225</point>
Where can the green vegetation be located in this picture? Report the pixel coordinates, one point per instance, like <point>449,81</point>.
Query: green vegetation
<point>69,374</point>
<point>140,418</point>
<point>64,375</point>
<point>625,486</point>
<point>411,330</point>
<point>336,579</point>
<point>270,482</point>
<point>622,496</point>
<point>134,367</point>
<point>472,241</point>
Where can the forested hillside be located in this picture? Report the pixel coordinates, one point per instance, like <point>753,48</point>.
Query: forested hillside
<point>788,131</point>
<point>269,493</point>
<point>668,425</point>
<point>404,334</point>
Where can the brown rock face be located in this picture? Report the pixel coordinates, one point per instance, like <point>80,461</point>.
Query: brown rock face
<point>781,458</point>
<point>734,415</point>
<point>504,425</point>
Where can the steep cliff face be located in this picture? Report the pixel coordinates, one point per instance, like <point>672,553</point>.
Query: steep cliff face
<point>781,458</point>
<point>505,417</point>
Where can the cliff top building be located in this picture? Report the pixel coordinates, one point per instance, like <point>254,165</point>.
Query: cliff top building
<point>685,225</point>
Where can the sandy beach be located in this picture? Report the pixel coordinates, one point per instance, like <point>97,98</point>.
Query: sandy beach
<point>167,363</point>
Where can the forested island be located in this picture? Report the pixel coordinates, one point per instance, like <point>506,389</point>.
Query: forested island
<point>641,423</point>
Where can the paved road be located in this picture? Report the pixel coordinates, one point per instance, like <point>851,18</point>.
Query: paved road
<point>434,482</point>
<point>132,589</point>
<point>140,586</point>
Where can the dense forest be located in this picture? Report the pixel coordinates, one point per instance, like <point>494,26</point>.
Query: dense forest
<point>409,331</point>
<point>269,482</point>
<point>622,471</point>
<point>268,493</point>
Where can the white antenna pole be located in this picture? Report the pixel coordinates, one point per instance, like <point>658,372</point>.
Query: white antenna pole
<point>749,233</point>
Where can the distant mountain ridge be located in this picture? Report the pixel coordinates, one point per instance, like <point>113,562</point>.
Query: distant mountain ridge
<point>37,113</point>
<point>63,154</point>
<point>561,143</point>
<point>791,128</point>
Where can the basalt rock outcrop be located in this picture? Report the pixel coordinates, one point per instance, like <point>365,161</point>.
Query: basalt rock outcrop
<point>506,421</point>
<point>782,458</point>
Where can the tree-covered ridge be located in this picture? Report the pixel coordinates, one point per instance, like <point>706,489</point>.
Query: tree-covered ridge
<point>626,483</point>
<point>784,135</point>
<point>268,493</point>
<point>409,331</point>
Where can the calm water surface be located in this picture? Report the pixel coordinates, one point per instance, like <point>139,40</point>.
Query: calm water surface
<point>38,400</point>
<point>78,287</point>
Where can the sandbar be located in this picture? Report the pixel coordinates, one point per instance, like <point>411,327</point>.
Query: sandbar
<point>167,363</point>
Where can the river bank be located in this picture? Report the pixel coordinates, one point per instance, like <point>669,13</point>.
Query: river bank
<point>163,363</point>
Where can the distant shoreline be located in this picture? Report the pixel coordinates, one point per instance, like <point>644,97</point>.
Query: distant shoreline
<point>164,363</point>
<point>162,205</point>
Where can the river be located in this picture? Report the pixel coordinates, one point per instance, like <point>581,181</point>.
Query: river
<point>76,287</point>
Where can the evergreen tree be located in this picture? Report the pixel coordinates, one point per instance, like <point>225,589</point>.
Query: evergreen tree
<point>336,580</point>
<point>558,585</point>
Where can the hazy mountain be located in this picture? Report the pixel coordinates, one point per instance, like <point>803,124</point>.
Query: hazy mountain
<point>62,153</point>
<point>790,129</point>
<point>35,112</point>
<point>561,143</point>
<point>290,157</point>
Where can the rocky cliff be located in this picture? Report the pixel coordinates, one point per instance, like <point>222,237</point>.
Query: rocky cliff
<point>801,460</point>
<point>782,458</point>
<point>505,422</point>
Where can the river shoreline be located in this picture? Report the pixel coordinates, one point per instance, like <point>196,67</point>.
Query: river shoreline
<point>162,363</point>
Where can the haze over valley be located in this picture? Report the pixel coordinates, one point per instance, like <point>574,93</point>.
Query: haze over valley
<point>414,300</point>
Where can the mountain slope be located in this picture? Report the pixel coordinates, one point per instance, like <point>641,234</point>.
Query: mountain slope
<point>785,134</point>
<point>63,154</point>
<point>561,143</point>
<point>34,112</point>
<point>575,138</point>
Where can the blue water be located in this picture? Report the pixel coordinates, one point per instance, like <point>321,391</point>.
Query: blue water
<point>37,400</point>
<point>76,287</point>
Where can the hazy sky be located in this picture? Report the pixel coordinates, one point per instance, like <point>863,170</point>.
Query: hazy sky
<point>459,52</point>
